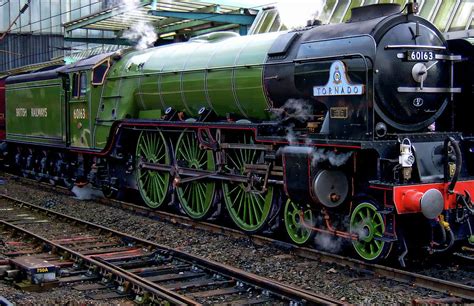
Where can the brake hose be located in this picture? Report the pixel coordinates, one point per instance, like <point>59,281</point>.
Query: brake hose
<point>457,151</point>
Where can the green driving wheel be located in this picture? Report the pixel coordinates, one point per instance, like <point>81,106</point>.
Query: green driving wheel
<point>195,197</point>
<point>153,185</point>
<point>297,231</point>
<point>369,224</point>
<point>248,208</point>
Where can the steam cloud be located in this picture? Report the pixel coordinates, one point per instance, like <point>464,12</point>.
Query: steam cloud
<point>334,158</point>
<point>294,110</point>
<point>329,243</point>
<point>295,13</point>
<point>86,193</point>
<point>142,32</point>
<point>300,110</point>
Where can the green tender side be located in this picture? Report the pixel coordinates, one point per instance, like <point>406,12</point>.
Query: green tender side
<point>35,112</point>
<point>221,71</point>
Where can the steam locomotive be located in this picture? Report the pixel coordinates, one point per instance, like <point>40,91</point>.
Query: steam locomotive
<point>357,130</point>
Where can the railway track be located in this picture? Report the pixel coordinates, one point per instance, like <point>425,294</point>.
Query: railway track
<point>146,271</point>
<point>414,279</point>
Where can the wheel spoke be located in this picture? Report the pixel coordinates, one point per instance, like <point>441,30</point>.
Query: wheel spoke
<point>244,215</point>
<point>243,161</point>
<point>202,192</point>
<point>237,166</point>
<point>238,196</point>
<point>157,188</point>
<point>202,160</point>
<point>295,230</point>
<point>197,197</point>
<point>147,146</point>
<point>184,152</point>
<point>233,189</point>
<point>192,148</point>
<point>260,203</point>
<point>153,185</point>
<point>254,206</point>
<point>160,154</point>
<point>368,247</point>
<point>248,209</point>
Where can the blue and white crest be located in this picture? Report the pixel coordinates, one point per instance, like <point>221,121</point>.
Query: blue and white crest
<point>338,83</point>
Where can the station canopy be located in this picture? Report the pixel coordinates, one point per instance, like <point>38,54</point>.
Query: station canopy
<point>177,20</point>
<point>170,18</point>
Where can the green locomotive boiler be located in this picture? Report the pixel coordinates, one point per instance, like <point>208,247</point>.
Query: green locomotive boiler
<point>343,130</point>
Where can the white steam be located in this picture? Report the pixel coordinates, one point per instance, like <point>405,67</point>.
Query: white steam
<point>294,111</point>
<point>86,192</point>
<point>329,243</point>
<point>336,159</point>
<point>296,13</point>
<point>299,109</point>
<point>142,32</point>
<point>361,230</point>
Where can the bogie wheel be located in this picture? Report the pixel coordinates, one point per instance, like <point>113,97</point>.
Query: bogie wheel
<point>196,197</point>
<point>153,185</point>
<point>249,208</point>
<point>109,191</point>
<point>39,163</point>
<point>297,230</point>
<point>64,171</point>
<point>369,224</point>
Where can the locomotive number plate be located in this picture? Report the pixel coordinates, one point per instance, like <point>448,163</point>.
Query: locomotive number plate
<point>420,56</point>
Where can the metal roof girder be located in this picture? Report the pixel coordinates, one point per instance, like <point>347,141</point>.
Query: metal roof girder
<point>231,3</point>
<point>97,17</point>
<point>206,9</point>
<point>184,25</point>
<point>209,17</point>
<point>107,41</point>
<point>214,29</point>
<point>84,22</point>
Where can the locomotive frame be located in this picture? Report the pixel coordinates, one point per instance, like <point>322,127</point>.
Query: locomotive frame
<point>347,164</point>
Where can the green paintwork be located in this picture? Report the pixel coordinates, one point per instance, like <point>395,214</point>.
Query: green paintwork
<point>368,223</point>
<point>80,125</point>
<point>151,114</point>
<point>221,71</point>
<point>196,197</point>
<point>43,105</point>
<point>116,101</point>
<point>153,185</point>
<point>297,232</point>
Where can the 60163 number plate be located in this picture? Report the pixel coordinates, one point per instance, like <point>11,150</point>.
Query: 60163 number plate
<point>420,56</point>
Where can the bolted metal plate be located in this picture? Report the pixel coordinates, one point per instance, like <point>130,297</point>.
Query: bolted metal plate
<point>331,187</point>
<point>432,203</point>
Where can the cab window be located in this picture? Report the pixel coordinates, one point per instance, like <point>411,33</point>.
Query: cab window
<point>83,84</point>
<point>99,73</point>
<point>79,85</point>
<point>75,85</point>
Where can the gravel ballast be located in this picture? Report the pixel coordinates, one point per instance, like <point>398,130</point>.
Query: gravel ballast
<point>338,282</point>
